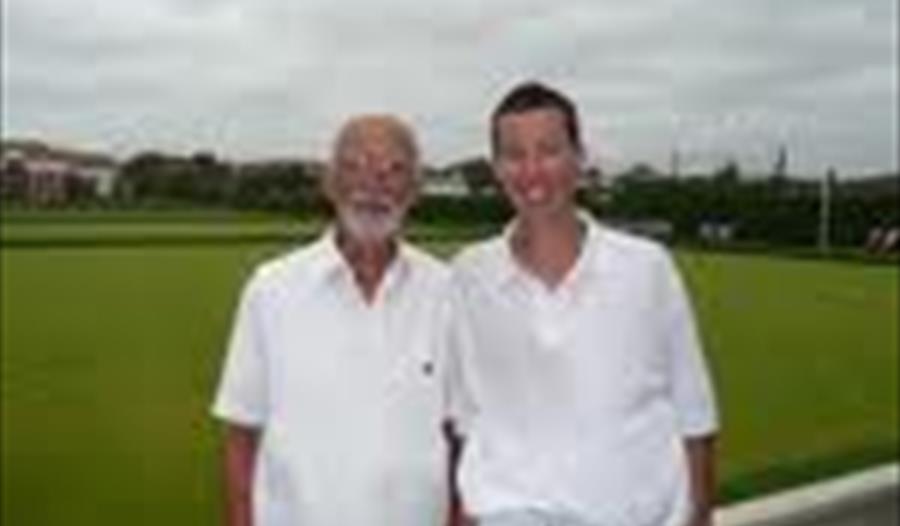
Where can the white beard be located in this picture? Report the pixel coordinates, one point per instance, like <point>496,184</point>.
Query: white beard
<point>368,225</point>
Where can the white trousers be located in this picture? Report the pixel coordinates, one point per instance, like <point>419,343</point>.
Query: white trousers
<point>529,518</point>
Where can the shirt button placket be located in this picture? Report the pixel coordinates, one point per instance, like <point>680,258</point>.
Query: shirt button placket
<point>549,320</point>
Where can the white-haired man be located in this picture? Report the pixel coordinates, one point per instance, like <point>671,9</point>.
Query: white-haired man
<point>331,390</point>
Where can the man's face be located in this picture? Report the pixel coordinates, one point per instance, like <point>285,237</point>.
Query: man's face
<point>373,179</point>
<point>535,160</point>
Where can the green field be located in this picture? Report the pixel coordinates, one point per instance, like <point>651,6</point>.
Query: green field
<point>110,355</point>
<point>143,230</point>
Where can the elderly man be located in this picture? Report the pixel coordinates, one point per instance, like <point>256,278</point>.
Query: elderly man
<point>331,389</point>
<point>583,397</point>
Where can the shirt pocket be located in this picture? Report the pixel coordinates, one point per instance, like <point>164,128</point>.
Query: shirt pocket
<point>414,384</point>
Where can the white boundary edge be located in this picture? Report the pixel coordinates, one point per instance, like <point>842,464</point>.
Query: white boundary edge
<point>816,500</point>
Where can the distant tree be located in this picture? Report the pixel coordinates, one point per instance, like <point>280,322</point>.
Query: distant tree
<point>281,186</point>
<point>140,177</point>
<point>594,176</point>
<point>638,172</point>
<point>153,176</point>
<point>729,173</point>
<point>478,175</point>
<point>780,168</point>
<point>208,180</point>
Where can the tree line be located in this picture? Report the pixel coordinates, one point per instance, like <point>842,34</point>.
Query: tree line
<point>773,209</point>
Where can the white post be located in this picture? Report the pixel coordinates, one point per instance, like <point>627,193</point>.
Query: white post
<point>825,212</point>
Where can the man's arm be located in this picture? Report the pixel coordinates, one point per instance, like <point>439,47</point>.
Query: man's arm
<point>457,515</point>
<point>701,454</point>
<point>240,458</point>
<point>692,394</point>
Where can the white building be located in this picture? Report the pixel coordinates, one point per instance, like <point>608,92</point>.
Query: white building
<point>42,173</point>
<point>445,183</point>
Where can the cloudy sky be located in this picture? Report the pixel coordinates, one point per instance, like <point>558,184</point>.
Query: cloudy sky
<point>246,79</point>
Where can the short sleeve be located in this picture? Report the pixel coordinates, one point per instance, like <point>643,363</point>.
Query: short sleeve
<point>690,384</point>
<point>241,394</point>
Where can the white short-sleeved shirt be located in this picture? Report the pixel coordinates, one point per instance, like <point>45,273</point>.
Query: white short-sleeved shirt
<point>576,400</point>
<point>349,397</point>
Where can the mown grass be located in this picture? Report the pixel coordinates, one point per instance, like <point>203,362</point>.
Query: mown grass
<point>805,356</point>
<point>147,232</point>
<point>18,214</point>
<point>110,356</point>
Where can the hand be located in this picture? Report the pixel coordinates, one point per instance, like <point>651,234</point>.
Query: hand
<point>460,520</point>
<point>701,519</point>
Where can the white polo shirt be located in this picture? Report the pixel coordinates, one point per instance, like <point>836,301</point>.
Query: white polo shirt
<point>575,401</point>
<point>349,396</point>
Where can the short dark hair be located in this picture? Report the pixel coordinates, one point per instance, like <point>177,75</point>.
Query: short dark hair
<point>533,95</point>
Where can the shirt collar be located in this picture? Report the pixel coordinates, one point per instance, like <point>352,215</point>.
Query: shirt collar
<point>509,271</point>
<point>329,265</point>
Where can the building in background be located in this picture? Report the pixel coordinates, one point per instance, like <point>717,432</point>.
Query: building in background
<point>450,183</point>
<point>39,173</point>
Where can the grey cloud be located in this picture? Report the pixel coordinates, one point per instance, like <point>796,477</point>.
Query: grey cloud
<point>716,78</point>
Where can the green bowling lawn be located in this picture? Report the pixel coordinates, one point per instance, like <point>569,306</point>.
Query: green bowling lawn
<point>110,354</point>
